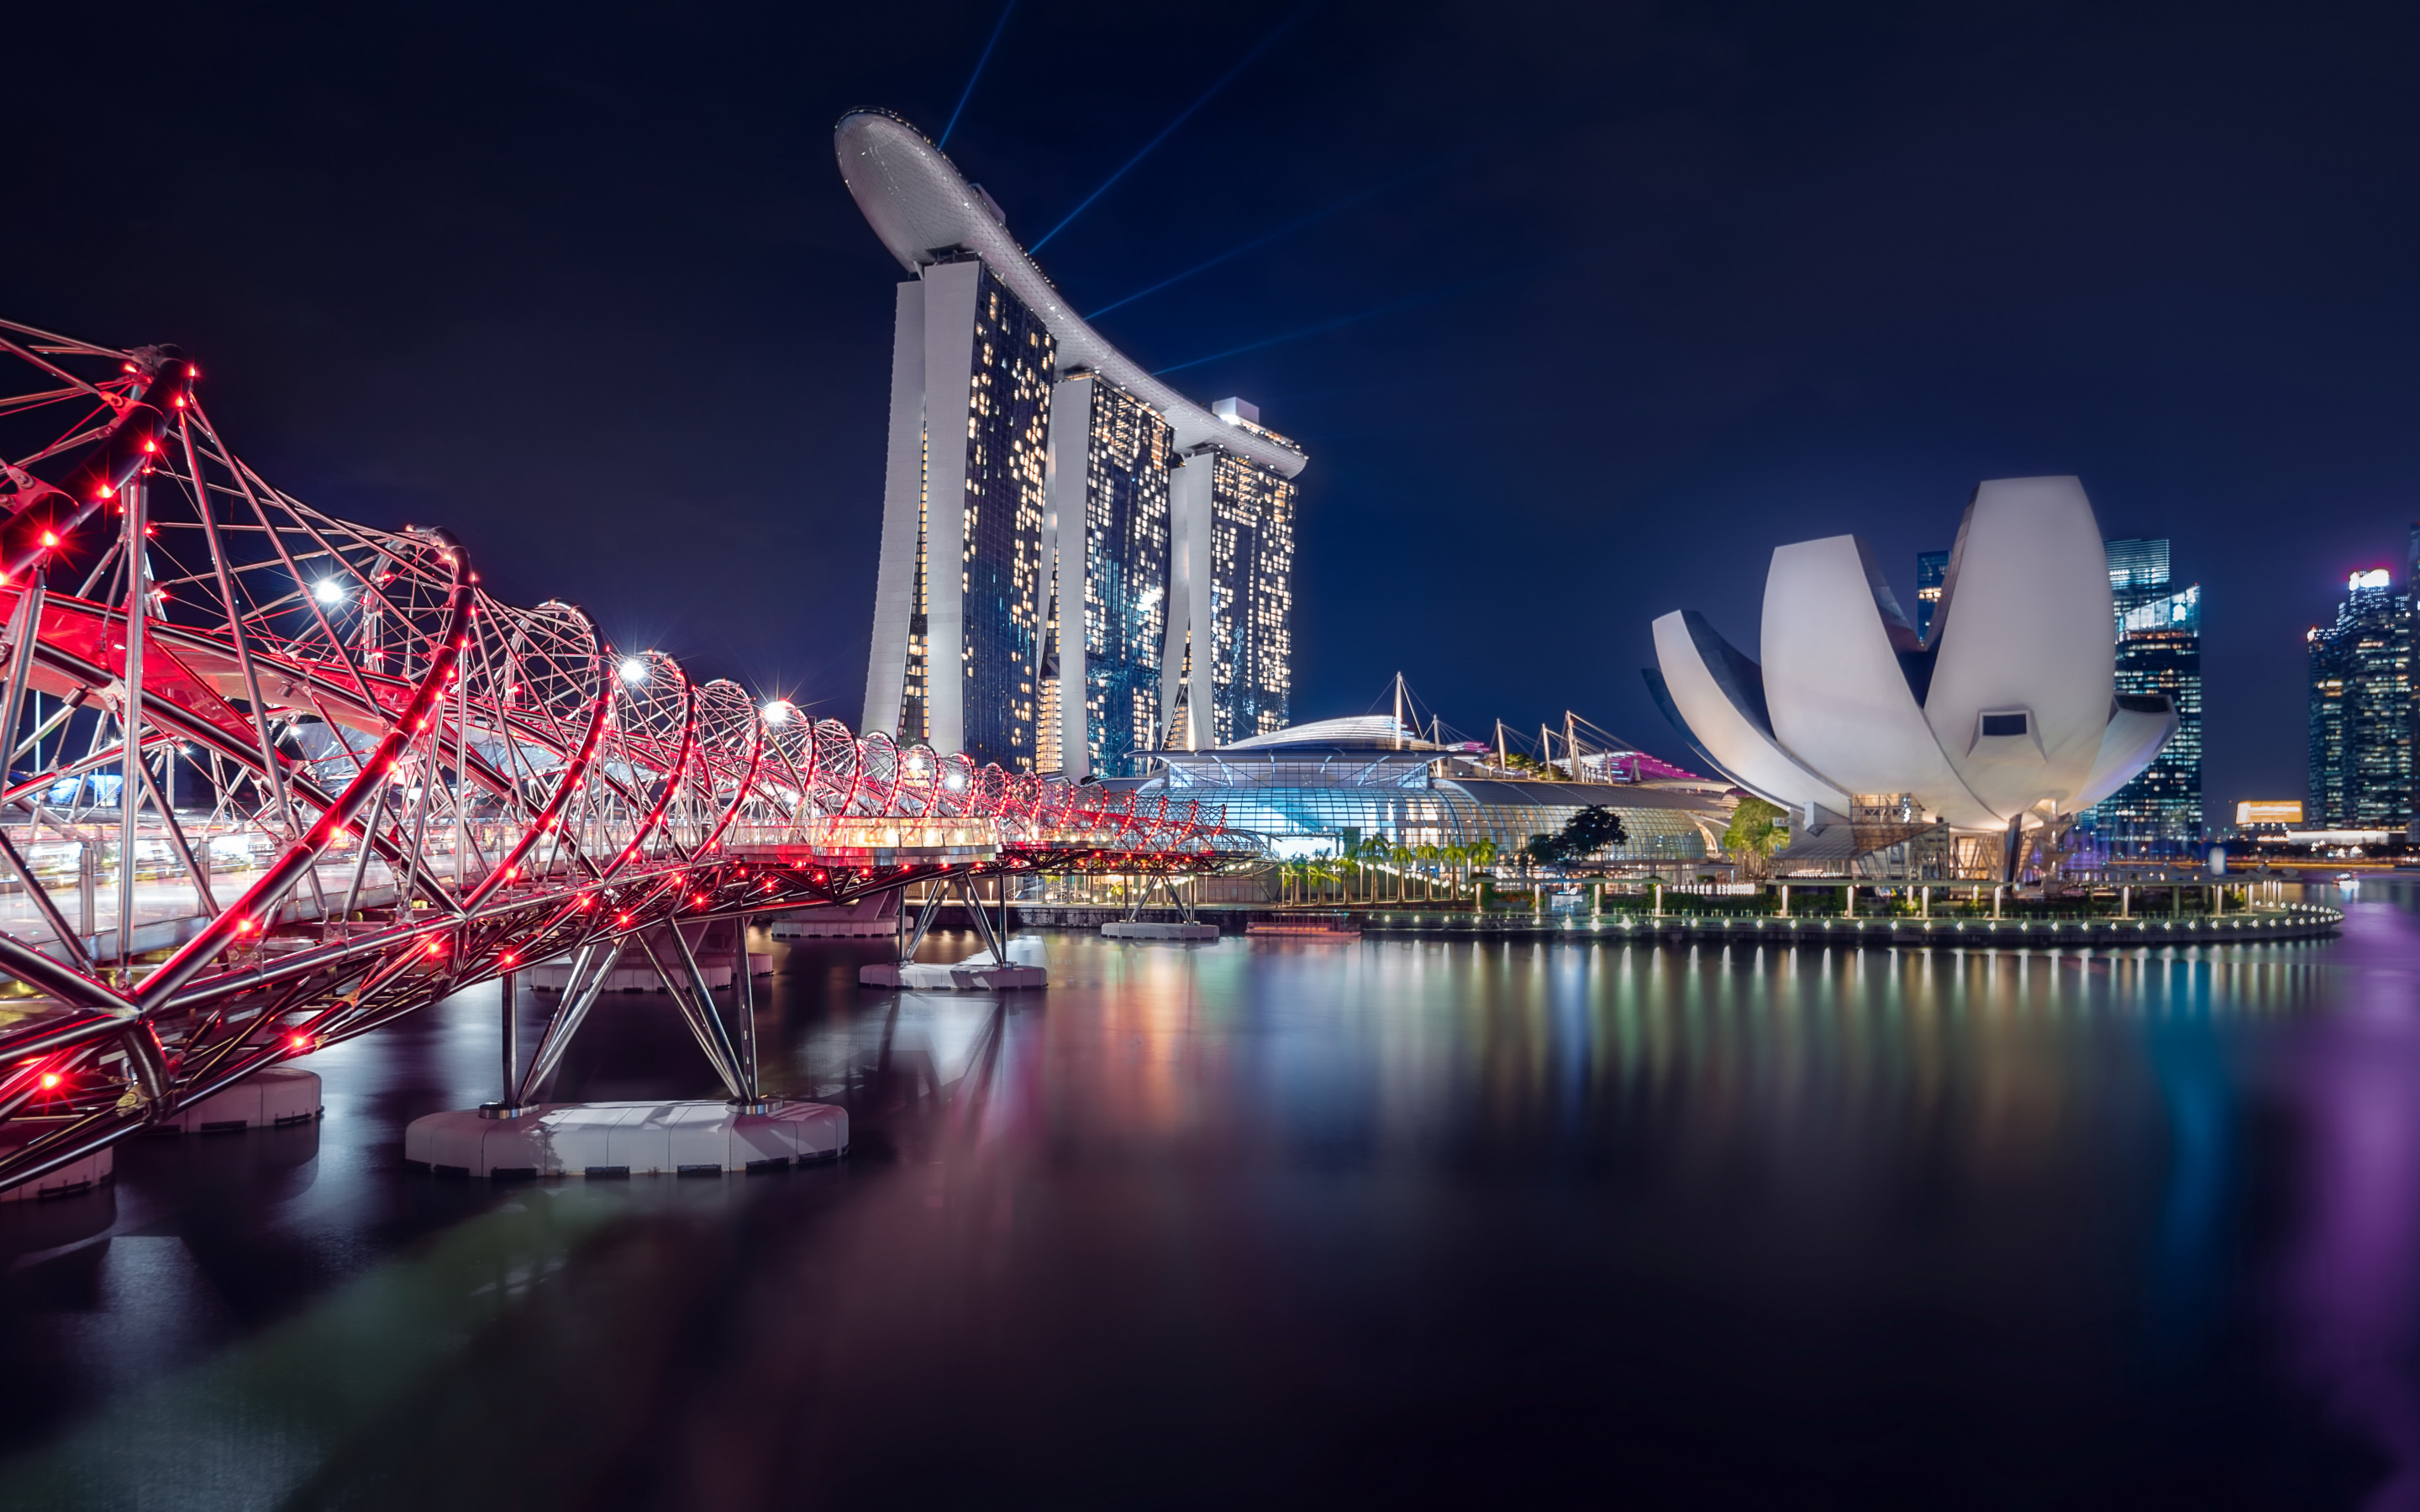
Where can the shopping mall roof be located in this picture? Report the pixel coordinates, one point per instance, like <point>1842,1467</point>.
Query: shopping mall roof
<point>1698,798</point>
<point>1360,732</point>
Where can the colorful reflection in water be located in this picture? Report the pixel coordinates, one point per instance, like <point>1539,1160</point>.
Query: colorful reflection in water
<point>1283,1221</point>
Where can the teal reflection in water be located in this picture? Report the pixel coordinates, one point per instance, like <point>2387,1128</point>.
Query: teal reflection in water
<point>1510,1224</point>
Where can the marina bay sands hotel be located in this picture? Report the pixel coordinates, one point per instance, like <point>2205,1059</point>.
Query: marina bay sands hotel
<point>1080,566</point>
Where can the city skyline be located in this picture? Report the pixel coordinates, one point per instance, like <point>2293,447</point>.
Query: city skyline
<point>1365,259</point>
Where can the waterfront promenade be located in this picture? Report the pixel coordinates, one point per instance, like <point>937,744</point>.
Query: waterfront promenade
<point>2291,922</point>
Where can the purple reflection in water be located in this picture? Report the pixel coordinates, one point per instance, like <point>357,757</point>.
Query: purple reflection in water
<point>2350,1290</point>
<point>1386,1222</point>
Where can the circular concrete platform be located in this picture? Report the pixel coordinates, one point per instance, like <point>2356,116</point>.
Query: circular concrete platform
<point>613,1140</point>
<point>272,1098</point>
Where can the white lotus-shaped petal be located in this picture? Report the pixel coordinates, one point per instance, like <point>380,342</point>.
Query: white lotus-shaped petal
<point>2011,710</point>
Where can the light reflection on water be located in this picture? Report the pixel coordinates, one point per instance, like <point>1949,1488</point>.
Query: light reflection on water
<point>1289,1220</point>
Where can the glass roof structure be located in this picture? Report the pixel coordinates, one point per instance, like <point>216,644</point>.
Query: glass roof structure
<point>1314,789</point>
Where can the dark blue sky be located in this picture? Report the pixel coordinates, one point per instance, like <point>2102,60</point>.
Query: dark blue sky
<point>1688,282</point>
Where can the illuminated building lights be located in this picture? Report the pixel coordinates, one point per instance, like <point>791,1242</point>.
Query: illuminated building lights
<point>1053,472</point>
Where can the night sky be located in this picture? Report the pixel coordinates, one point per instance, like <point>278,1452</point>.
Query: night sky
<point>1610,300</point>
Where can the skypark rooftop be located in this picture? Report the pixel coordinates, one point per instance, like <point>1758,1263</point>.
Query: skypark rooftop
<point>924,210</point>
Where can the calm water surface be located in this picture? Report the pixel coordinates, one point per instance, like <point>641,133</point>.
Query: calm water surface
<point>1292,1222</point>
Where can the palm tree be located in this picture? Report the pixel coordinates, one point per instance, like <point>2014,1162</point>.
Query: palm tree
<point>1755,833</point>
<point>1456,857</point>
<point>1483,853</point>
<point>1374,851</point>
<point>1427,856</point>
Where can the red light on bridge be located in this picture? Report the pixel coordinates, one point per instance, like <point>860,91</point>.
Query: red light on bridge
<point>623,920</point>
<point>50,1079</point>
<point>298,1044</point>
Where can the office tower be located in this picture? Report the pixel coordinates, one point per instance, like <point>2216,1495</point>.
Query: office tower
<point>1124,555</point>
<point>2159,652</point>
<point>956,653</point>
<point>1229,669</point>
<point>1931,571</point>
<point>1110,458</point>
<point>2361,710</point>
<point>2412,604</point>
<point>2138,571</point>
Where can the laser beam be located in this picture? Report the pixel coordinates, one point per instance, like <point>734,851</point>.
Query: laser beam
<point>969,93</point>
<point>1396,307</point>
<point>1336,207</point>
<point>1224,79</point>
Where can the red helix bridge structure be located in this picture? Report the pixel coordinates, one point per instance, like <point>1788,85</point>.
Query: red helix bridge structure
<point>276,780</point>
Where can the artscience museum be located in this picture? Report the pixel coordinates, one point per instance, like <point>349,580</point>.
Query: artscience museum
<point>1952,755</point>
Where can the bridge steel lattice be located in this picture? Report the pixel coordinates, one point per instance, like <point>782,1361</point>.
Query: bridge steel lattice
<point>275,779</point>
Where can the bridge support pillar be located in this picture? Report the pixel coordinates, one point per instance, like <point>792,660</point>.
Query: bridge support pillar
<point>743,1008</point>
<point>508,1104</point>
<point>989,970</point>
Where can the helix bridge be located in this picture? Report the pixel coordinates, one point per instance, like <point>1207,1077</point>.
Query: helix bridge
<point>278,779</point>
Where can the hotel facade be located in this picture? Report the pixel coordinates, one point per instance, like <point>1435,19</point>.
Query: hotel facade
<point>1079,566</point>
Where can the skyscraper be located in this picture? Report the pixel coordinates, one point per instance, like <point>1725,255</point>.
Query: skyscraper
<point>1234,576</point>
<point>1111,455</point>
<point>2138,571</point>
<point>2361,709</point>
<point>2411,608</point>
<point>2159,652</point>
<point>1931,571</point>
<point>959,660</point>
<point>1123,556</point>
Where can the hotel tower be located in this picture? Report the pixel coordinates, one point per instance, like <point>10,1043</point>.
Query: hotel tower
<point>1080,566</point>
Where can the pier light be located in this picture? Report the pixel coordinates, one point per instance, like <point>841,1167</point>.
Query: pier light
<point>779,712</point>
<point>634,669</point>
<point>329,591</point>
